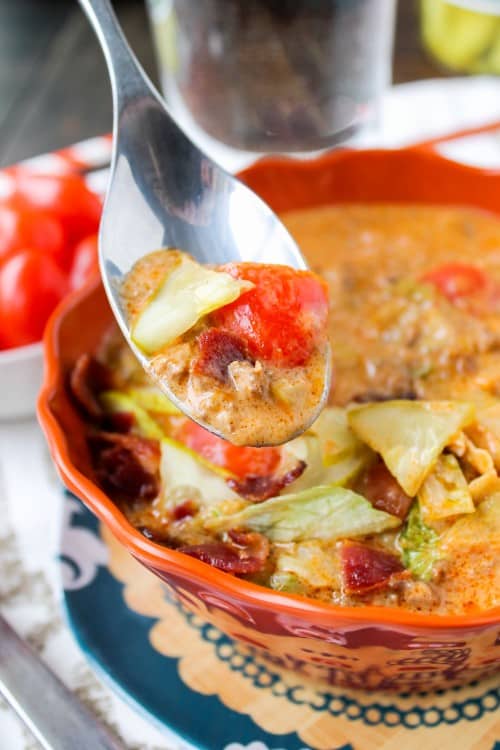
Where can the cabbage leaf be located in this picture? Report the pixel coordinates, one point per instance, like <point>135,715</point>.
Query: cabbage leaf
<point>325,512</point>
<point>445,492</point>
<point>410,435</point>
<point>188,293</point>
<point>187,476</point>
<point>116,402</point>
<point>419,544</point>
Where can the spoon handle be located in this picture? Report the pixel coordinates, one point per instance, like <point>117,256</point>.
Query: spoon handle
<point>57,719</point>
<point>128,80</point>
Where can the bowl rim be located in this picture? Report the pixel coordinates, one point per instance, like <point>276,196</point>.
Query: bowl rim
<point>167,560</point>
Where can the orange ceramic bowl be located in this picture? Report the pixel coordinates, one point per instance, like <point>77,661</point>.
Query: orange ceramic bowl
<point>366,647</point>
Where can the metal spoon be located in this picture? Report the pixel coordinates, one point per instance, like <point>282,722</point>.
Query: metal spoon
<point>55,716</point>
<point>164,192</point>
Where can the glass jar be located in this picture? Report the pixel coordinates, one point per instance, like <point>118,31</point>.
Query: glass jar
<point>261,76</point>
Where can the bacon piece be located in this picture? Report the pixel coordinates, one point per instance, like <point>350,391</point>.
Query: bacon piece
<point>184,510</point>
<point>243,553</point>
<point>217,350</point>
<point>87,378</point>
<point>121,421</point>
<point>383,491</point>
<point>366,568</point>
<point>127,463</point>
<point>251,543</point>
<point>258,488</point>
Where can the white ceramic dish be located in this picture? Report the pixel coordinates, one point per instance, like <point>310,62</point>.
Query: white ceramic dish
<point>20,379</point>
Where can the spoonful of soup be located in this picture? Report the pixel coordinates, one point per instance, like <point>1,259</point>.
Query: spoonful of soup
<point>225,316</point>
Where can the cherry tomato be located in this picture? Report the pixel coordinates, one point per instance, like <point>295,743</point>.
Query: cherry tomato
<point>241,460</point>
<point>38,230</point>
<point>85,262</point>
<point>65,196</point>
<point>456,280</point>
<point>31,285</point>
<point>282,318</point>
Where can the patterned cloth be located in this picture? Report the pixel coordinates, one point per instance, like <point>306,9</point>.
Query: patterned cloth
<point>30,497</point>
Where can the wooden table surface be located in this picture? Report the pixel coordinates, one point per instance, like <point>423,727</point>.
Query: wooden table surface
<point>54,87</point>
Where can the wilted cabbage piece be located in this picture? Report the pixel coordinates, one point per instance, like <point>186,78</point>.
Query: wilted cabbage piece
<point>319,513</point>
<point>420,545</point>
<point>187,476</point>
<point>480,528</point>
<point>445,492</point>
<point>287,582</point>
<point>332,452</point>
<point>307,448</point>
<point>151,398</point>
<point>116,402</point>
<point>336,437</point>
<point>188,293</point>
<point>410,435</point>
<point>310,562</point>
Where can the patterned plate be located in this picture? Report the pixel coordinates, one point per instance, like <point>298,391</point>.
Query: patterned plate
<point>217,694</point>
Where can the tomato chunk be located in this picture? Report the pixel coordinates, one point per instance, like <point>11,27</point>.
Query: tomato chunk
<point>456,280</point>
<point>241,460</point>
<point>366,568</point>
<point>283,318</point>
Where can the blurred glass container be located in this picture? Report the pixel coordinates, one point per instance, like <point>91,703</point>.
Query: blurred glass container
<point>462,35</point>
<point>267,76</point>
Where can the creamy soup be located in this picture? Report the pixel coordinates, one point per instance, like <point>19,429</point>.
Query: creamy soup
<point>392,497</point>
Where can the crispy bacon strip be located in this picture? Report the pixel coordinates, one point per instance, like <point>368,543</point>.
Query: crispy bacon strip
<point>87,378</point>
<point>217,350</point>
<point>366,568</point>
<point>184,510</point>
<point>129,464</point>
<point>258,488</point>
<point>243,553</point>
<point>383,491</point>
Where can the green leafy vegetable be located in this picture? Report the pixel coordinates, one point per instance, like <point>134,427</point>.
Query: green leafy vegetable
<point>336,437</point>
<point>420,545</point>
<point>116,402</point>
<point>445,492</point>
<point>410,435</point>
<point>187,476</point>
<point>481,528</point>
<point>310,562</point>
<point>319,513</point>
<point>332,452</point>
<point>152,399</point>
<point>188,293</point>
<point>287,582</point>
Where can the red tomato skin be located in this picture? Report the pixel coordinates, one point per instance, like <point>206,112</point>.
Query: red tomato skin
<point>65,196</point>
<point>283,318</point>
<point>240,460</point>
<point>457,280</point>
<point>36,229</point>
<point>31,285</point>
<point>85,262</point>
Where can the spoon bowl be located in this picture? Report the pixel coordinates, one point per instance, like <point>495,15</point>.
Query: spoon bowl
<point>164,192</point>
